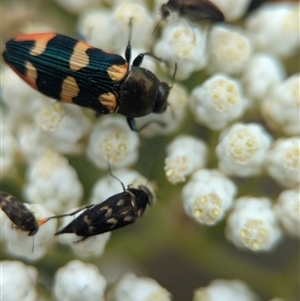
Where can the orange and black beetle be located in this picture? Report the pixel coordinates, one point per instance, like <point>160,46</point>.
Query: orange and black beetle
<point>72,71</point>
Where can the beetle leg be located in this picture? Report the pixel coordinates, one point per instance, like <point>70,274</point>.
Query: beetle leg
<point>139,59</point>
<point>132,124</point>
<point>44,220</point>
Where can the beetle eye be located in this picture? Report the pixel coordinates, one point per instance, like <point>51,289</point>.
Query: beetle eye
<point>33,231</point>
<point>161,102</point>
<point>165,12</point>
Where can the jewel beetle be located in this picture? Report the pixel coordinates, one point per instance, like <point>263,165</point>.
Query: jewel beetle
<point>23,218</point>
<point>74,72</point>
<point>193,10</point>
<point>116,212</point>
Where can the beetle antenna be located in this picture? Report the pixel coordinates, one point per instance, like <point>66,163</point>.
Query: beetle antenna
<point>171,86</point>
<point>128,47</point>
<point>110,172</point>
<point>32,243</point>
<point>157,26</point>
<point>150,173</point>
<point>173,77</point>
<point>130,30</point>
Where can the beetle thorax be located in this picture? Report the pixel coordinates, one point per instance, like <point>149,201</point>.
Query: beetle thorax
<point>138,93</point>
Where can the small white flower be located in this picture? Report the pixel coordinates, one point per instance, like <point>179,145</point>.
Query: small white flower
<point>183,45</point>
<point>232,10</point>
<point>287,209</point>
<point>51,117</point>
<point>9,148</point>
<point>34,27</point>
<point>225,290</point>
<point>108,185</point>
<point>94,22</point>
<point>207,196</point>
<point>79,281</point>
<point>170,121</point>
<point>217,101</point>
<point>31,141</point>
<point>132,288</point>
<point>18,281</point>
<point>19,244</point>
<point>77,6</point>
<point>142,25</point>
<point>261,74</point>
<point>68,137</point>
<point>274,28</point>
<point>282,161</point>
<point>113,141</point>
<point>242,149</point>
<point>229,49</point>
<point>281,109</point>
<point>253,225</point>
<point>53,183</point>
<point>23,102</point>
<point>185,154</point>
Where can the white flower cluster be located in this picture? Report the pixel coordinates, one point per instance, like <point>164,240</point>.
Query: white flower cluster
<point>262,73</point>
<point>228,50</point>
<point>287,209</point>
<point>77,281</point>
<point>132,288</point>
<point>9,149</point>
<point>78,6</point>
<point>280,37</point>
<point>283,161</point>
<point>183,45</point>
<point>49,119</point>
<point>281,109</point>
<point>208,195</point>
<point>185,154</point>
<point>242,149</point>
<point>243,123</point>
<point>19,282</point>
<point>225,290</point>
<point>113,142</point>
<point>217,101</point>
<point>252,224</point>
<point>53,182</point>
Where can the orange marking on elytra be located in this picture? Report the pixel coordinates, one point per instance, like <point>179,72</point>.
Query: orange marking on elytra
<point>41,40</point>
<point>117,72</point>
<point>31,75</point>
<point>108,100</point>
<point>79,58</point>
<point>69,89</point>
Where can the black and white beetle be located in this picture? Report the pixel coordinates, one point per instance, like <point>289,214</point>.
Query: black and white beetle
<point>116,212</point>
<point>19,214</point>
<point>74,72</point>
